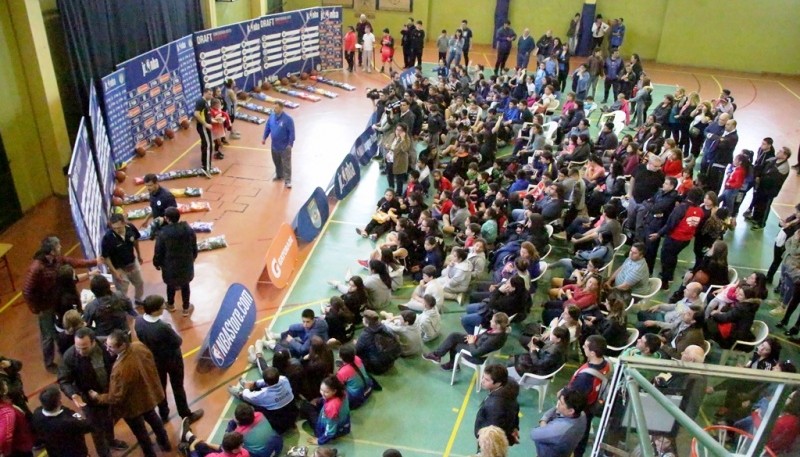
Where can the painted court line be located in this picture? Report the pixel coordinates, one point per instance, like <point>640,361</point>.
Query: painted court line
<point>460,417</point>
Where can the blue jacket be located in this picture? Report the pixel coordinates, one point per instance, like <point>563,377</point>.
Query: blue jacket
<point>328,427</point>
<point>617,35</point>
<point>613,66</point>
<point>302,345</point>
<point>502,39</point>
<point>282,129</point>
<point>560,436</point>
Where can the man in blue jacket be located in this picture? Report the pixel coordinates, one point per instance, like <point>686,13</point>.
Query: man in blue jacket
<point>560,428</point>
<point>612,66</point>
<point>503,38</point>
<point>281,127</point>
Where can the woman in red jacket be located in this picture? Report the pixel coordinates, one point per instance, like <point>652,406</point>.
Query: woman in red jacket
<point>735,182</point>
<point>583,297</point>
<point>350,47</point>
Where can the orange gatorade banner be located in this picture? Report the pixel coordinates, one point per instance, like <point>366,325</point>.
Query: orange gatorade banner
<point>282,256</point>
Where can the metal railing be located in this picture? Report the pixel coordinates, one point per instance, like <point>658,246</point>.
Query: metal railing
<point>628,374</point>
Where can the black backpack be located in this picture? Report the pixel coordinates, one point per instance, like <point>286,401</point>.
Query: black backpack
<point>388,345</point>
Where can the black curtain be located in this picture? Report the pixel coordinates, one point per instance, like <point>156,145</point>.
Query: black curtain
<point>102,33</point>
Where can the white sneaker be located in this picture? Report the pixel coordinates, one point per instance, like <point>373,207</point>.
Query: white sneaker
<point>251,354</point>
<point>270,336</point>
<point>271,344</point>
<point>259,347</point>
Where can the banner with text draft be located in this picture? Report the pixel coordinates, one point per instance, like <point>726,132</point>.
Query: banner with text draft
<point>312,216</point>
<point>231,328</point>
<point>162,86</point>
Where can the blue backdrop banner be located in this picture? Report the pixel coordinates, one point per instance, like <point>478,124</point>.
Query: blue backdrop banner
<point>231,328</point>
<point>269,47</point>
<point>312,216</point>
<point>157,96</point>
<point>347,176</point>
<point>115,104</point>
<point>102,150</point>
<point>85,196</point>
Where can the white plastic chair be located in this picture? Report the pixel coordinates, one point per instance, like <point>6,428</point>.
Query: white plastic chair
<point>549,229</point>
<point>550,135</point>
<point>654,286</point>
<point>547,253</point>
<point>633,335</point>
<point>542,270</point>
<point>706,346</point>
<point>529,382</point>
<point>761,332</point>
<point>733,275</point>
<point>461,360</point>
<point>623,239</point>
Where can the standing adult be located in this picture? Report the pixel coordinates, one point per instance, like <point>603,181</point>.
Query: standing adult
<point>721,154</point>
<point>599,29</point>
<point>769,184</point>
<point>587,380</point>
<point>398,159</point>
<point>202,117</point>
<point>594,65</point>
<point>500,407</point>
<point>160,200</point>
<point>466,33</point>
<point>281,126</point>
<point>87,367</point>
<point>418,42</point>
<point>503,38</point>
<point>368,50</point>
<point>645,181</point>
<point>165,344</point>
<point>525,46</point>
<point>119,251</point>
<point>134,391</point>
<point>175,252</point>
<point>406,43</point>
<point>617,34</point>
<point>455,46</point>
<point>361,29</point>
<point>678,233</point>
<point>41,293</point>
<point>612,67</point>
<point>545,46</point>
<point>573,32</point>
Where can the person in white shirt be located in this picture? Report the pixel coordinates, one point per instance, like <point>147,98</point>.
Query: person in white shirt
<point>427,286</point>
<point>407,331</point>
<point>368,43</point>
<point>599,29</point>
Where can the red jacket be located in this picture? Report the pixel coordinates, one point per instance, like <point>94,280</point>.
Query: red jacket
<point>15,431</point>
<point>580,298</point>
<point>350,41</point>
<point>673,168</point>
<point>40,283</point>
<point>786,429</point>
<point>736,179</point>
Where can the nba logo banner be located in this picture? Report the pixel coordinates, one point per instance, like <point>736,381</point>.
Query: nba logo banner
<point>231,328</point>
<point>312,216</point>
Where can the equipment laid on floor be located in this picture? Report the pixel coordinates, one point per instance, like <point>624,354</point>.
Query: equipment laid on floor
<point>251,118</point>
<point>178,174</point>
<point>256,108</point>
<point>270,99</point>
<point>331,82</point>
<point>296,93</point>
<point>145,196</point>
<point>316,90</point>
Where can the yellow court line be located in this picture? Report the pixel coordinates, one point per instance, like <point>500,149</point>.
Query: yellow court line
<point>19,294</point>
<point>460,417</point>
<point>172,163</point>
<point>264,149</point>
<point>790,90</point>
<point>716,81</point>
<point>346,223</point>
<point>398,447</point>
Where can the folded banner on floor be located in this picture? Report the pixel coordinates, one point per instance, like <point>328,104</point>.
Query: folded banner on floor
<point>312,216</point>
<point>346,177</point>
<point>231,328</point>
<point>282,256</point>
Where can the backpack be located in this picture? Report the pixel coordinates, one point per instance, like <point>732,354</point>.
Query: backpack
<point>596,408</point>
<point>388,345</point>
